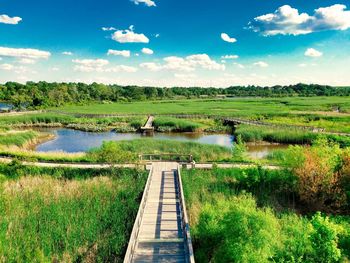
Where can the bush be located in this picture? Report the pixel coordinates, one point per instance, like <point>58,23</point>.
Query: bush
<point>239,233</point>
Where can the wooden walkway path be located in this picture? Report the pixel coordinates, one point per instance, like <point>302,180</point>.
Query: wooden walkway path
<point>161,230</point>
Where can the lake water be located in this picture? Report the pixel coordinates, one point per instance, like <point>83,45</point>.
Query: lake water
<point>71,141</point>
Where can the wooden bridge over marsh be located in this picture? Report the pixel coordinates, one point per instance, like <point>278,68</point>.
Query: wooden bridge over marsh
<point>161,229</point>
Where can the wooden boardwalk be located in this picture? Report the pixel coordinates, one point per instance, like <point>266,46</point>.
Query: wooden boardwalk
<point>161,231</point>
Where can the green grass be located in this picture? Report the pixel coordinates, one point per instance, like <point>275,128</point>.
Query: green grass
<point>67,215</point>
<point>131,150</point>
<point>176,125</point>
<point>313,111</point>
<point>283,135</point>
<point>247,216</point>
<point>17,138</point>
<point>84,124</point>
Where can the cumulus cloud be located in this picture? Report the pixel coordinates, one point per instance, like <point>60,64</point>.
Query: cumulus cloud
<point>24,53</point>
<point>67,53</point>
<point>261,64</point>
<point>146,2</point>
<point>230,57</point>
<point>27,61</point>
<point>289,21</point>
<point>239,65</point>
<point>184,64</point>
<point>147,51</point>
<point>99,65</point>
<point>129,36</point>
<point>227,38</point>
<point>109,29</point>
<point>151,66</point>
<point>311,52</point>
<point>6,67</point>
<point>123,53</point>
<point>5,19</point>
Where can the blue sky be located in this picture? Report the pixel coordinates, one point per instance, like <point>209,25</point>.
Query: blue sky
<point>183,42</point>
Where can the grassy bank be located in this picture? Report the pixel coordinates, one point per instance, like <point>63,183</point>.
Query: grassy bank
<point>284,135</point>
<point>126,151</point>
<point>120,124</point>
<point>67,215</point>
<point>247,216</point>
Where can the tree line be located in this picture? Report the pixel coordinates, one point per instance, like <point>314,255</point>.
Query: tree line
<point>35,95</point>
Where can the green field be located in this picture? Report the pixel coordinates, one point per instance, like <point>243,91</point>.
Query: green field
<point>66,215</point>
<point>230,107</point>
<point>331,113</point>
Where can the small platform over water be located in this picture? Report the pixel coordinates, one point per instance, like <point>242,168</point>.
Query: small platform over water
<point>148,127</point>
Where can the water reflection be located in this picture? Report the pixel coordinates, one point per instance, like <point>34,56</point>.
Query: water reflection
<point>68,140</point>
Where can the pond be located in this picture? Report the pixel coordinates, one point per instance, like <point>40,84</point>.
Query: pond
<point>71,141</point>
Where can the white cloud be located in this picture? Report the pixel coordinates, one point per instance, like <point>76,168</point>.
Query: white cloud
<point>230,57</point>
<point>123,53</point>
<point>147,51</point>
<point>5,19</point>
<point>27,61</point>
<point>24,53</point>
<point>288,21</point>
<point>184,76</point>
<point>311,52</point>
<point>129,36</point>
<point>108,29</point>
<point>6,67</point>
<point>227,38</point>
<point>99,65</point>
<point>146,2</point>
<point>302,65</point>
<point>186,64</point>
<point>121,68</point>
<point>239,65</point>
<point>151,66</point>
<point>67,53</point>
<point>91,62</point>
<point>261,64</point>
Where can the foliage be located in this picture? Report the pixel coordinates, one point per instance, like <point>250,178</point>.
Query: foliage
<point>126,151</point>
<point>230,222</point>
<point>67,215</point>
<point>227,236</point>
<point>317,168</point>
<point>173,124</point>
<point>17,138</point>
<point>112,152</point>
<point>239,149</point>
<point>43,94</point>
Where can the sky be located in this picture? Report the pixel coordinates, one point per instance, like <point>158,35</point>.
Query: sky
<point>176,43</point>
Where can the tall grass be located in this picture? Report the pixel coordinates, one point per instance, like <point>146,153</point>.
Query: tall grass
<point>247,216</point>
<point>132,149</point>
<point>17,138</point>
<point>178,125</point>
<point>65,215</point>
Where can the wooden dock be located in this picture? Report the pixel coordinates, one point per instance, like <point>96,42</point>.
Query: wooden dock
<point>148,127</point>
<point>161,230</point>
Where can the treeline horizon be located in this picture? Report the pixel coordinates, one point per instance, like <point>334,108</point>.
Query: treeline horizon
<point>35,95</point>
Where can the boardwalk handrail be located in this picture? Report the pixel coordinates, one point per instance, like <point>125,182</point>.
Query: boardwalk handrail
<point>166,157</point>
<point>136,228</point>
<point>185,223</point>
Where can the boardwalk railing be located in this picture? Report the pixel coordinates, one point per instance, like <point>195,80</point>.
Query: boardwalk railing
<point>185,223</point>
<point>135,231</point>
<point>188,158</point>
